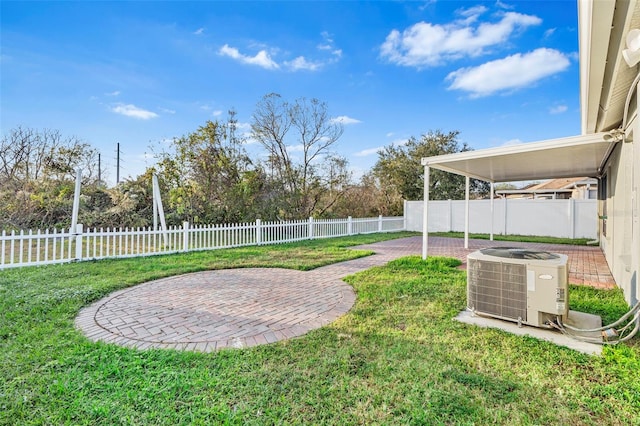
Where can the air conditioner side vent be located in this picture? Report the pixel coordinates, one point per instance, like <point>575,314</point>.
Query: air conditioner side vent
<point>497,289</point>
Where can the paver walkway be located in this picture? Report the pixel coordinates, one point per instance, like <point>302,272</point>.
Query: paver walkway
<point>210,310</point>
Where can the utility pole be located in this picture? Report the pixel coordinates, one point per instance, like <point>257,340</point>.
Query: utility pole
<point>99,169</point>
<point>117,163</point>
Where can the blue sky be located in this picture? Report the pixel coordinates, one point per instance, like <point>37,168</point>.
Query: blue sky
<point>140,73</point>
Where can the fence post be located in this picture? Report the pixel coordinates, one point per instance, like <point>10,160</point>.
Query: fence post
<point>349,225</point>
<point>404,215</point>
<point>380,223</point>
<point>2,249</point>
<point>450,214</point>
<point>310,233</point>
<point>258,232</point>
<point>78,232</point>
<point>185,236</point>
<point>572,218</point>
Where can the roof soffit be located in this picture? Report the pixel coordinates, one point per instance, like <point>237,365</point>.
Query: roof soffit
<point>594,21</point>
<point>605,77</point>
<point>619,75</point>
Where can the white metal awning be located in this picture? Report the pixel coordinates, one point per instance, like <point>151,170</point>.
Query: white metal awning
<point>554,158</point>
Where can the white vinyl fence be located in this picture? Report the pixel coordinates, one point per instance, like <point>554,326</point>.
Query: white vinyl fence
<point>41,248</point>
<point>555,218</point>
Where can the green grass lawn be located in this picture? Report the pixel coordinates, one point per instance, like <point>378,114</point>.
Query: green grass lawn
<point>396,358</point>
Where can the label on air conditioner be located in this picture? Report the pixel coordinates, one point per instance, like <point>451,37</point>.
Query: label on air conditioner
<point>531,281</point>
<point>545,277</point>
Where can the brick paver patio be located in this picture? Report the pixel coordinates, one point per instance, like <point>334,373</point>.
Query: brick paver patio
<point>210,310</point>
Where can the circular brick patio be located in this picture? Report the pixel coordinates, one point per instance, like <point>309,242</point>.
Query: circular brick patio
<point>206,311</point>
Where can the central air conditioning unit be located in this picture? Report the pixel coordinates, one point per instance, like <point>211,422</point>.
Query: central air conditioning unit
<point>522,285</point>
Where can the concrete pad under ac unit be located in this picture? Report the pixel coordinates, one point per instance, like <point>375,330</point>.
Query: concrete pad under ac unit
<point>575,319</point>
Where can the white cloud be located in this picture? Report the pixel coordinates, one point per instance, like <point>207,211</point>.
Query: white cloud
<point>167,111</point>
<point>325,35</point>
<point>373,151</point>
<point>472,11</point>
<point>114,93</point>
<point>199,31</point>
<point>343,119</point>
<point>425,44</point>
<point>471,14</point>
<point>548,33</point>
<point>261,59</point>
<point>426,4</point>
<point>329,45</point>
<point>217,113</point>
<point>512,142</point>
<point>368,152</point>
<point>503,5</point>
<point>389,134</point>
<point>300,63</point>
<point>558,109</point>
<point>510,73</point>
<point>133,111</point>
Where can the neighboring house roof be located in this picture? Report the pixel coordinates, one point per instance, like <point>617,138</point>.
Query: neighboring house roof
<point>557,186</point>
<point>565,183</point>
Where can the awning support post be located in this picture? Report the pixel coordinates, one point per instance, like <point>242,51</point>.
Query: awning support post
<point>425,215</point>
<point>491,231</point>
<point>466,212</point>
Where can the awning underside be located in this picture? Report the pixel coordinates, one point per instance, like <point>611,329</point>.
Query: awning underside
<point>555,158</point>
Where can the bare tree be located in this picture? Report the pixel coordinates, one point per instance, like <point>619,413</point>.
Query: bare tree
<point>29,155</point>
<point>37,171</point>
<point>298,137</point>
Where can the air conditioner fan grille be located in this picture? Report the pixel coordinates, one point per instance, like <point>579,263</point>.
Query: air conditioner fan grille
<point>498,289</point>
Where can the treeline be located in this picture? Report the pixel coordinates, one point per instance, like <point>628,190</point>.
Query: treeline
<point>207,176</point>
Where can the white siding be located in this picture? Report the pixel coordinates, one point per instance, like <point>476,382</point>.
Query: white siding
<point>621,243</point>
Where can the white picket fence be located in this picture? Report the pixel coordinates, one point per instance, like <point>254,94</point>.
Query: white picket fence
<point>41,248</point>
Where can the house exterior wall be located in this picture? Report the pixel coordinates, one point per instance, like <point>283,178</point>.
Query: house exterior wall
<point>620,234</point>
<point>605,77</point>
<point>556,218</point>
